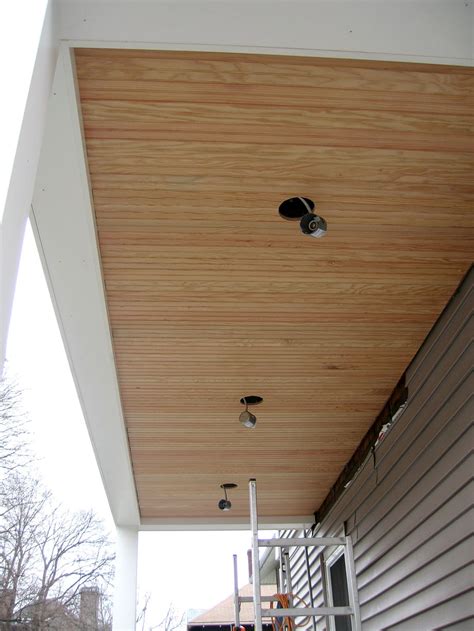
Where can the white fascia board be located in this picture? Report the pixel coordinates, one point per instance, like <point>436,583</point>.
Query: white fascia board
<point>429,31</point>
<point>296,522</point>
<point>62,220</point>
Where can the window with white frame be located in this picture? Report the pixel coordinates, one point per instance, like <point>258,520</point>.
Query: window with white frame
<point>337,588</point>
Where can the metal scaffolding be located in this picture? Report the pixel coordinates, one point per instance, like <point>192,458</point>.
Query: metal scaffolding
<point>283,544</point>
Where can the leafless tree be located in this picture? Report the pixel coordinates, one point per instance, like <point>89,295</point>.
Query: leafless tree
<point>143,610</point>
<point>47,554</point>
<point>105,610</point>
<point>172,620</point>
<point>22,504</point>
<point>14,445</point>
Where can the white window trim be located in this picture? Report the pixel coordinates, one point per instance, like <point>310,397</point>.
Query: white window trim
<point>330,556</point>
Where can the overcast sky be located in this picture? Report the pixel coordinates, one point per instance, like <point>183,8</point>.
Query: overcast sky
<point>17,58</point>
<point>191,570</point>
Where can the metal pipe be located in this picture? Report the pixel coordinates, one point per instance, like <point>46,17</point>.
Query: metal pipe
<point>257,604</point>
<point>236,595</point>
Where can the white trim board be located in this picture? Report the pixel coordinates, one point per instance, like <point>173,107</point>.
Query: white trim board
<point>429,31</point>
<point>293,52</point>
<point>239,523</point>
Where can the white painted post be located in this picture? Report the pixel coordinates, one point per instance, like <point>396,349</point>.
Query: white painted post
<point>125,592</point>
<point>28,37</point>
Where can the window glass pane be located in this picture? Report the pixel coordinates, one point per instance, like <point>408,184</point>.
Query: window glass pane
<point>340,594</point>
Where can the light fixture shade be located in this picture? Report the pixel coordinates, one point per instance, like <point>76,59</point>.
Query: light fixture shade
<point>314,225</point>
<point>247,419</point>
<point>225,504</point>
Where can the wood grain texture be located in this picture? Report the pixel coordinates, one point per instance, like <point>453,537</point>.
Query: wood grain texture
<point>212,296</point>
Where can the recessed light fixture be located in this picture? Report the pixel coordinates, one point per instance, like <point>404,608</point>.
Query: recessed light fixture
<point>247,418</point>
<point>225,504</point>
<point>302,208</point>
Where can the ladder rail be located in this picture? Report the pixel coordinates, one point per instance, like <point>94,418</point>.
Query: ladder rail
<point>294,612</point>
<point>324,586</point>
<point>237,600</point>
<point>352,610</point>
<point>309,542</point>
<point>289,584</point>
<point>352,583</point>
<point>310,582</point>
<point>257,604</point>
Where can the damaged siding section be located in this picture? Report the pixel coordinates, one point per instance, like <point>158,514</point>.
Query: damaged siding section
<point>409,508</point>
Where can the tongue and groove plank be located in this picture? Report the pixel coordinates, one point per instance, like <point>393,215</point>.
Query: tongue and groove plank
<point>211,296</point>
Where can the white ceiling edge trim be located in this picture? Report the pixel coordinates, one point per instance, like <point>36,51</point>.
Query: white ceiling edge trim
<point>62,220</point>
<point>438,31</point>
<point>239,523</point>
<point>261,50</point>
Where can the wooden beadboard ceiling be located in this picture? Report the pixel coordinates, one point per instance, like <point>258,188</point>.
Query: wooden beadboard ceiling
<point>212,296</point>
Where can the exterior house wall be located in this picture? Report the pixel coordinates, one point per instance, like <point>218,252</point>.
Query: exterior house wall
<point>396,30</point>
<point>408,510</point>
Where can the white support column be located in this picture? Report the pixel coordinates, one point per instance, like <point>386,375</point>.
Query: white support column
<point>28,53</point>
<point>125,592</point>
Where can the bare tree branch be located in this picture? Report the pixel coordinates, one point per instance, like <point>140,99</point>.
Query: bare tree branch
<point>172,620</point>
<point>47,554</point>
<point>14,435</point>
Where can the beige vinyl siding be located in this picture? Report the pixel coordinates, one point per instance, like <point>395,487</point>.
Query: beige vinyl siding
<point>410,516</point>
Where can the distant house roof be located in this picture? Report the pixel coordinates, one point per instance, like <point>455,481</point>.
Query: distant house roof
<point>223,612</point>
